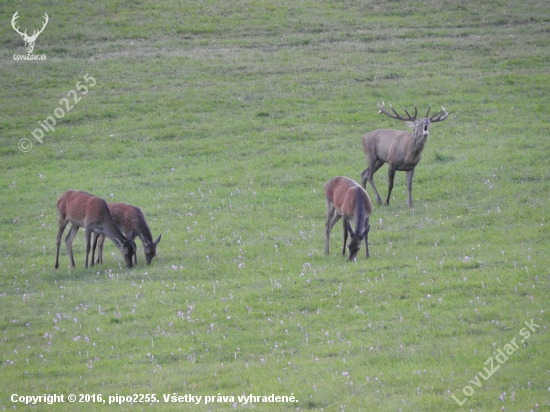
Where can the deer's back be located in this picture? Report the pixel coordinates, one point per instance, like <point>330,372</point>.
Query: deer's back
<point>128,217</point>
<point>384,143</point>
<point>344,193</point>
<point>81,208</point>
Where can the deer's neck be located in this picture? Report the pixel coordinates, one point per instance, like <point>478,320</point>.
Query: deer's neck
<point>142,230</point>
<point>112,231</point>
<point>360,211</point>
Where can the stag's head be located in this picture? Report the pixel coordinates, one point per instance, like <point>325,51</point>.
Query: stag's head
<point>420,127</point>
<point>29,40</point>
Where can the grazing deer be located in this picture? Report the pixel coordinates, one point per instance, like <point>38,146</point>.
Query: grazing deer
<point>29,40</point>
<point>345,198</point>
<point>128,218</point>
<point>92,213</point>
<point>400,149</point>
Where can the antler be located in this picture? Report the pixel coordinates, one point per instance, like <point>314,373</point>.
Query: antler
<point>397,116</point>
<point>15,17</point>
<point>439,116</point>
<point>35,32</point>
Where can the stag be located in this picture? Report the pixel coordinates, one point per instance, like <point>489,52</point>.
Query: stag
<point>128,218</point>
<point>29,40</point>
<point>85,210</point>
<point>401,150</point>
<point>345,198</point>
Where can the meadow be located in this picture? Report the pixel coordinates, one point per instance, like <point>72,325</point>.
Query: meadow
<point>222,120</point>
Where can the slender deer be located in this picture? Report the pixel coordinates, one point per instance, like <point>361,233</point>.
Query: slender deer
<point>29,40</point>
<point>128,218</point>
<point>345,198</point>
<point>401,150</point>
<point>85,210</point>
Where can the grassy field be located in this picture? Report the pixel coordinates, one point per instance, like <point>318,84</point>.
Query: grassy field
<point>222,120</point>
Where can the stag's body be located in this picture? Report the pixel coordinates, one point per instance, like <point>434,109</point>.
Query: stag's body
<point>345,198</point>
<point>128,218</point>
<point>85,210</point>
<point>401,150</point>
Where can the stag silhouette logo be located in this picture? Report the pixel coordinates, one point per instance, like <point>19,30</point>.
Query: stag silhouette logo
<point>29,40</point>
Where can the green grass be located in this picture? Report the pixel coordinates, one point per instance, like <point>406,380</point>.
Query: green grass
<point>222,120</point>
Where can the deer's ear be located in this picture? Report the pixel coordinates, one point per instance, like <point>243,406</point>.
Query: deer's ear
<point>132,235</point>
<point>365,232</point>
<point>411,124</point>
<point>350,230</point>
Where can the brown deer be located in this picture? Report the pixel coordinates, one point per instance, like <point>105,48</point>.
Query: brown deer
<point>85,210</point>
<point>128,218</point>
<point>401,150</point>
<point>345,198</point>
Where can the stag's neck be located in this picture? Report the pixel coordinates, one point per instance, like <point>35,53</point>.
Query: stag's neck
<point>418,141</point>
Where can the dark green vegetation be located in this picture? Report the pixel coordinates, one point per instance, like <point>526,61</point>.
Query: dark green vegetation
<point>222,120</point>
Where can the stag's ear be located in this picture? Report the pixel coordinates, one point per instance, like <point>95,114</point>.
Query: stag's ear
<point>118,242</point>
<point>158,240</point>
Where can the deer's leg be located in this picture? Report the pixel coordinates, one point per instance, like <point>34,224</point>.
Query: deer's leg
<point>332,218</point>
<point>100,243</point>
<point>364,177</point>
<point>62,225</point>
<point>99,240</point>
<point>410,174</point>
<point>368,174</point>
<point>391,176</point>
<point>94,245</point>
<point>69,243</point>
<point>136,249</point>
<point>330,212</point>
<point>367,237</point>
<point>88,235</point>
<point>345,222</point>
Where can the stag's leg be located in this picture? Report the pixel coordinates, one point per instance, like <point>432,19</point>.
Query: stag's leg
<point>62,225</point>
<point>391,176</point>
<point>410,174</point>
<point>368,174</point>
<point>69,243</point>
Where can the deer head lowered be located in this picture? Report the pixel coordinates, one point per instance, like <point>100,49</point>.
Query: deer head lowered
<point>399,149</point>
<point>345,198</point>
<point>29,40</point>
<point>85,210</point>
<point>129,218</point>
